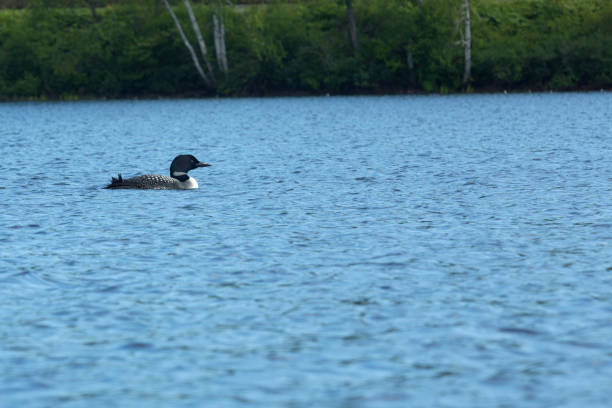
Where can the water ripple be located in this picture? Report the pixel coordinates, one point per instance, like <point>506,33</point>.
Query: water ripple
<point>365,252</point>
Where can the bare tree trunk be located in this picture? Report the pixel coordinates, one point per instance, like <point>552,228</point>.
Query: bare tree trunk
<point>219,33</point>
<point>467,44</point>
<point>410,58</point>
<point>410,63</point>
<point>196,29</point>
<point>352,26</point>
<point>223,48</point>
<point>92,8</point>
<point>188,45</point>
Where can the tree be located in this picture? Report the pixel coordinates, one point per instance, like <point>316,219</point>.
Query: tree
<point>467,44</point>
<point>219,35</point>
<point>352,26</point>
<point>208,76</point>
<point>208,81</point>
<point>409,56</point>
<point>201,42</point>
<point>92,4</point>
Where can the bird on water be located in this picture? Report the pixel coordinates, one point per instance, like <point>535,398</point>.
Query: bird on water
<point>178,180</point>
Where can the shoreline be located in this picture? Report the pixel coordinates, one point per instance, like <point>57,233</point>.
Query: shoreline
<point>147,97</point>
<point>133,50</point>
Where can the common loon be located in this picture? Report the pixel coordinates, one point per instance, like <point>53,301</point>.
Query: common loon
<point>178,180</point>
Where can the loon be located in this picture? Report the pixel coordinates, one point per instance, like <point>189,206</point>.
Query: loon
<point>178,180</point>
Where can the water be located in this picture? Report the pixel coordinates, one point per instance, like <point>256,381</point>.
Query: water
<point>340,252</point>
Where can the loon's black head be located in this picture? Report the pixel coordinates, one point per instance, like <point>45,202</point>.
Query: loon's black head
<point>182,164</point>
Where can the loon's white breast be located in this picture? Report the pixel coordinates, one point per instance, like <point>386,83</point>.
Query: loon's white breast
<point>188,184</point>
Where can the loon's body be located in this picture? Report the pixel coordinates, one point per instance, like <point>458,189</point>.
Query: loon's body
<point>178,180</point>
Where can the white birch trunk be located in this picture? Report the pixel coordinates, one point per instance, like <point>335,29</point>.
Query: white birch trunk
<point>216,38</point>
<point>201,42</point>
<point>188,45</point>
<point>219,33</point>
<point>223,48</point>
<point>467,44</point>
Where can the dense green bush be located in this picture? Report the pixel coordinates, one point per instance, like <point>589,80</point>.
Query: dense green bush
<point>132,48</point>
<point>542,44</point>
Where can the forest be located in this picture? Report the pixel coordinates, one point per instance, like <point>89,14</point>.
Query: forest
<point>74,49</point>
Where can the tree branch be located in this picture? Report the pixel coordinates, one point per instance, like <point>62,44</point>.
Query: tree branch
<point>198,34</point>
<point>188,45</point>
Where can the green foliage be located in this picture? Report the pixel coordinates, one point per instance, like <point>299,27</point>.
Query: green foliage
<point>438,54</point>
<point>388,36</point>
<point>542,44</point>
<point>64,49</point>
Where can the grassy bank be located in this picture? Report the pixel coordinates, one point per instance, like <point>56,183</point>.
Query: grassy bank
<point>132,49</point>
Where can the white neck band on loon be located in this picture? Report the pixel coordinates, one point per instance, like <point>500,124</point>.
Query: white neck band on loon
<point>180,176</point>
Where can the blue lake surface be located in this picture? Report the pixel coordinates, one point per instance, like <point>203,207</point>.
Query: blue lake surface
<point>408,251</point>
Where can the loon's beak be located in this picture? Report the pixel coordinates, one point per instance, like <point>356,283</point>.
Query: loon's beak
<point>200,164</point>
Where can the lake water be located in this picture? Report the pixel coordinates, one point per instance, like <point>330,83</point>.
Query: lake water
<point>409,251</point>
